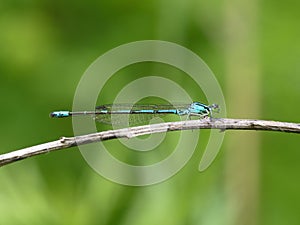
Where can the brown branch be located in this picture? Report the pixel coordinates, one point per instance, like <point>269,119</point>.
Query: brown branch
<point>222,124</point>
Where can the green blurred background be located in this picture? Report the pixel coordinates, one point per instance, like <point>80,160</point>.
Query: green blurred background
<point>254,50</point>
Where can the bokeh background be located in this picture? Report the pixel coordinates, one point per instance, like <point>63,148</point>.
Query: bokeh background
<point>254,50</point>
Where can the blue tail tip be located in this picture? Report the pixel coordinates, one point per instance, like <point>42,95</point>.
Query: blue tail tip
<point>59,114</point>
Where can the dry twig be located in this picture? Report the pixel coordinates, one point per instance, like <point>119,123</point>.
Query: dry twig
<point>222,124</point>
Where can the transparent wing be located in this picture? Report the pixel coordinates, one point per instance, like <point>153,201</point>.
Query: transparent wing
<point>121,114</point>
<point>126,119</point>
<point>116,107</point>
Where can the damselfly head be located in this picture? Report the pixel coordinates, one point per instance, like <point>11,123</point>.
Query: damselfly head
<point>214,107</point>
